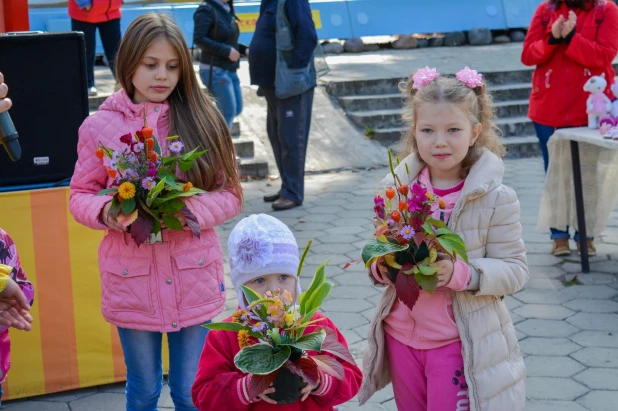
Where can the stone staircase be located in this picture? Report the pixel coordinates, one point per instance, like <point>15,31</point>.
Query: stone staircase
<point>376,106</point>
<point>249,165</point>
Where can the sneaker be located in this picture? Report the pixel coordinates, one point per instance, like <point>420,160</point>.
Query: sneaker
<point>592,251</point>
<point>561,247</point>
<point>92,91</point>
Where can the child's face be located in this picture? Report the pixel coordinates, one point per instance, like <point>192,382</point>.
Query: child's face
<point>269,282</point>
<point>444,133</point>
<point>157,74</point>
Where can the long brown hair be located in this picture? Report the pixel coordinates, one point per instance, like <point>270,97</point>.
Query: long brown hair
<point>476,102</point>
<point>576,4</point>
<point>193,115</point>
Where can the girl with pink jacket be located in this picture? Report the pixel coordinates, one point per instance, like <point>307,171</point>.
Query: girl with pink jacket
<point>175,284</point>
<point>456,349</point>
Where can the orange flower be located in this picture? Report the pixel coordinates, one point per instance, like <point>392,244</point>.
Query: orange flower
<point>100,153</point>
<point>441,204</point>
<point>112,173</point>
<point>126,190</point>
<point>187,187</point>
<point>243,339</point>
<point>150,143</point>
<point>152,156</point>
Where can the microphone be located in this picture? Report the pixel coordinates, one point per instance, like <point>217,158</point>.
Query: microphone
<point>8,136</point>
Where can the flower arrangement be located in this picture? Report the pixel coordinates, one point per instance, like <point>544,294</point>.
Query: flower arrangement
<point>147,190</point>
<point>273,346</point>
<point>409,238</point>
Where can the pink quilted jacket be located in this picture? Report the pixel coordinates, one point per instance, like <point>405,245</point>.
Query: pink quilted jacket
<point>156,287</point>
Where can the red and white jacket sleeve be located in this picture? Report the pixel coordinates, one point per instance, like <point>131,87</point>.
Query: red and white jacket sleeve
<point>218,384</point>
<point>332,391</point>
<point>89,177</point>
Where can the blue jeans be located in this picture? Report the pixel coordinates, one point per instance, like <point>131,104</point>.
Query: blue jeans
<point>142,356</point>
<point>226,91</point>
<point>110,37</point>
<point>543,133</point>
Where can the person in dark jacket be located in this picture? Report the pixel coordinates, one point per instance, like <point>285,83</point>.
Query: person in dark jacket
<point>289,119</point>
<point>568,41</point>
<point>216,34</point>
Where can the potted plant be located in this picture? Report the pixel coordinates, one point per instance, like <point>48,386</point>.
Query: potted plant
<point>274,346</point>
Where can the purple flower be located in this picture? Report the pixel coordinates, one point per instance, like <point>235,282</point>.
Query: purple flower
<point>259,326</point>
<point>379,211</point>
<point>133,159</point>
<point>129,174</point>
<point>378,201</point>
<point>390,222</point>
<point>407,232</point>
<point>152,172</point>
<point>272,318</point>
<point>176,147</point>
<point>138,148</point>
<point>148,183</point>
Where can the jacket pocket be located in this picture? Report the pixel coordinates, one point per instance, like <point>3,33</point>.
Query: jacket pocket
<point>129,287</point>
<point>200,275</point>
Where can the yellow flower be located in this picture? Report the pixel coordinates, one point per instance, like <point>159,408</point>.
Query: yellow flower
<point>126,190</point>
<point>243,339</point>
<point>187,187</point>
<point>236,316</point>
<point>275,307</point>
<point>289,319</point>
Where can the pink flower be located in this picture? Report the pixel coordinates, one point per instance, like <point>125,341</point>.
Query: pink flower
<point>470,78</point>
<point>424,76</point>
<point>152,172</point>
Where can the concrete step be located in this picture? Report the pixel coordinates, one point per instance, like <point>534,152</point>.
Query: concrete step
<point>253,168</point>
<point>391,117</point>
<point>389,86</point>
<point>244,147</point>
<point>506,92</point>
<point>515,126</point>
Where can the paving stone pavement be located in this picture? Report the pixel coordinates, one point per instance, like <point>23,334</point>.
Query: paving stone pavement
<point>568,333</point>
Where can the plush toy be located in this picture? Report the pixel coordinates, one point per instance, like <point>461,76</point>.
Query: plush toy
<point>598,104</point>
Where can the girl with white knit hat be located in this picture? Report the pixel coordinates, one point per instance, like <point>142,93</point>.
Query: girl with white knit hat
<point>263,256</point>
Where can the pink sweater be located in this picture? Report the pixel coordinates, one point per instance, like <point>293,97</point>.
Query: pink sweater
<point>431,324</point>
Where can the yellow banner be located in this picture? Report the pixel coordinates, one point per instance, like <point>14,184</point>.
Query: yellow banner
<point>248,20</point>
<point>70,345</point>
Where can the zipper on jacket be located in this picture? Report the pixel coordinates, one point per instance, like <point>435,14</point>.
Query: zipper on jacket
<point>473,401</point>
<point>548,78</point>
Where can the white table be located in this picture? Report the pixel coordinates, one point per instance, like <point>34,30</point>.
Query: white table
<point>581,186</point>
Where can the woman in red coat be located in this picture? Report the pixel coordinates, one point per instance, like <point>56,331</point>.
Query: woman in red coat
<point>568,41</point>
<point>87,16</point>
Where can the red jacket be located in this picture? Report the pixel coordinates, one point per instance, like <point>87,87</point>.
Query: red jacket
<point>558,98</point>
<point>219,385</point>
<point>101,11</point>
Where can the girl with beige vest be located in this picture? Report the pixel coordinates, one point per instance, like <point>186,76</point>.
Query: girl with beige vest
<point>456,349</point>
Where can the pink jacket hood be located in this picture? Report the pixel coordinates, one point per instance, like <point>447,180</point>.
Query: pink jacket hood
<point>156,287</point>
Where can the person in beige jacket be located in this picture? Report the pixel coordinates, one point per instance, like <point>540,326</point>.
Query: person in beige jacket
<point>455,153</point>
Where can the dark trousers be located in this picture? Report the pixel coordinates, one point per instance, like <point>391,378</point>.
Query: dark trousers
<point>110,37</point>
<point>287,123</point>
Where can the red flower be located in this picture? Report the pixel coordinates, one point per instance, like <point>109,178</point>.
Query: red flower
<point>127,139</point>
<point>140,136</point>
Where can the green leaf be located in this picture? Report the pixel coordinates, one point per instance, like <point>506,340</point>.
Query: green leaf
<point>437,223</point>
<point>428,228</point>
<point>185,165</point>
<point>427,270</point>
<point>318,280</point>
<point>250,295</point>
<point>428,282</point>
<point>169,160</point>
<point>261,359</point>
<point>229,326</point>
<point>443,231</point>
<point>155,191</point>
<point>175,194</point>
<point>312,341</point>
<point>276,337</point>
<point>128,206</point>
<point>375,248</point>
<point>157,147</point>
<point>171,207</point>
<point>172,223</point>
<point>453,245</point>
<point>193,154</point>
<point>170,138</point>
<point>302,259</point>
<point>318,296</point>
<point>107,191</point>
<point>156,225</point>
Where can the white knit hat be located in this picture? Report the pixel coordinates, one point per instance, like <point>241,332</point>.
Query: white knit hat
<point>261,245</point>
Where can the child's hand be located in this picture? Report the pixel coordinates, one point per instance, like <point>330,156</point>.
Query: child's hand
<point>556,28</point>
<point>264,396</point>
<point>108,220</point>
<point>308,388</point>
<point>383,270</point>
<point>445,268</point>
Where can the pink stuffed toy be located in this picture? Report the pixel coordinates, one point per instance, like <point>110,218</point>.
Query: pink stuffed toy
<point>598,104</point>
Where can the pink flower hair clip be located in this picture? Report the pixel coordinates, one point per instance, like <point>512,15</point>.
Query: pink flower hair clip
<point>424,76</point>
<point>470,78</point>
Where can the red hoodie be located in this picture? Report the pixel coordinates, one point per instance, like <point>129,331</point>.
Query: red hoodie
<point>558,98</point>
<point>101,11</point>
<point>219,385</point>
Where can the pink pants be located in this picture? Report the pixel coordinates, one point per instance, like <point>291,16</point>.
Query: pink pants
<point>427,380</point>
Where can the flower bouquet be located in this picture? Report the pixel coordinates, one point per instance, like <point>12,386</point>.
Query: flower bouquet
<point>148,190</point>
<point>273,347</point>
<point>409,238</point>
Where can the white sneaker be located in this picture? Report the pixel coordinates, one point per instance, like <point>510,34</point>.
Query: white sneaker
<point>92,91</point>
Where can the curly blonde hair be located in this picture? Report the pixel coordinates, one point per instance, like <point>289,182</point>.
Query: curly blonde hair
<point>477,102</point>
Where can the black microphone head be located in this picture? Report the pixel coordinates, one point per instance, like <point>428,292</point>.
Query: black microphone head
<point>9,137</point>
